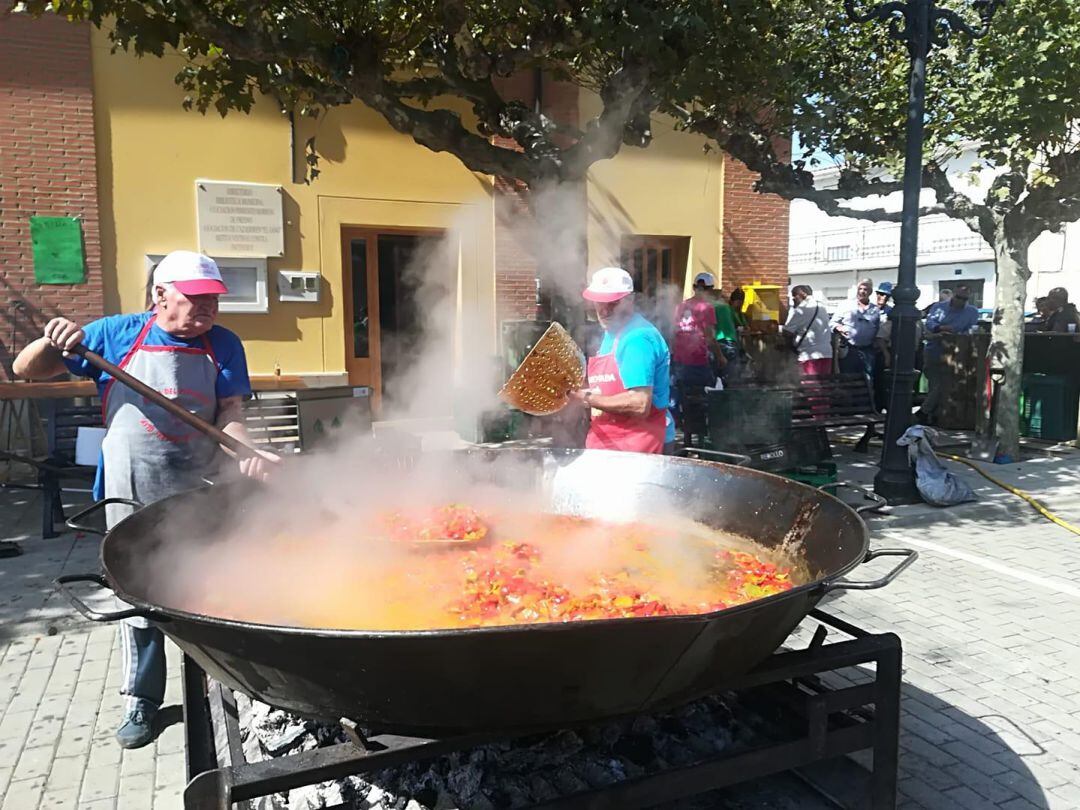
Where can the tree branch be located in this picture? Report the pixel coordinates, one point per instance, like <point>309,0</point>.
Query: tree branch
<point>626,102</point>
<point>978,218</point>
<point>438,130</point>
<point>854,184</point>
<point>1054,202</point>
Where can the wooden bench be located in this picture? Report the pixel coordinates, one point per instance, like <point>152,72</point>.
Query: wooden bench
<point>837,400</point>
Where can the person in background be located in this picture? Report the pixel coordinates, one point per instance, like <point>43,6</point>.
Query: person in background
<point>727,335</point>
<point>858,322</point>
<point>808,328</point>
<point>694,349</point>
<point>1062,316</point>
<point>1041,316</point>
<point>953,317</point>
<point>629,377</point>
<point>883,294</point>
<point>737,300</point>
<point>148,454</point>
<point>944,296</point>
<point>884,345</point>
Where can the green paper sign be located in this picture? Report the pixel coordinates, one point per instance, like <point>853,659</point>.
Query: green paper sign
<point>58,250</point>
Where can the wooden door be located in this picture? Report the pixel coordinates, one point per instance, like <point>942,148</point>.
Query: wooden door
<point>383,272</point>
<point>359,261</point>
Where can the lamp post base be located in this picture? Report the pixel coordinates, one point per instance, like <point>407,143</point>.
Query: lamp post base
<point>897,487</point>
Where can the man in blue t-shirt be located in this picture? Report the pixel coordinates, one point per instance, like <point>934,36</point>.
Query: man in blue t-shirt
<point>629,378</point>
<point>148,454</point>
<point>953,317</point>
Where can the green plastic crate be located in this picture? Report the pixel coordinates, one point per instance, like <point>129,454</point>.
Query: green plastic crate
<point>1048,407</point>
<point>816,476</point>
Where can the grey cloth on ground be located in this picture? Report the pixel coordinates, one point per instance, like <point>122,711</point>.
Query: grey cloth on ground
<point>935,483</point>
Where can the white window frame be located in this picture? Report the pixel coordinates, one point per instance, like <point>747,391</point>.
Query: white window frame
<point>257,305</point>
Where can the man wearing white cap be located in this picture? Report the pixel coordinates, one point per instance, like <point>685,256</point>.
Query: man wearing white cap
<point>628,378</point>
<point>148,454</point>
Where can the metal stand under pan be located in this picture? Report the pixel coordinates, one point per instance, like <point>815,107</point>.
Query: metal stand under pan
<point>809,722</point>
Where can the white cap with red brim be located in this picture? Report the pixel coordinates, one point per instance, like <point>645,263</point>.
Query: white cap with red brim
<point>609,284</point>
<point>191,273</point>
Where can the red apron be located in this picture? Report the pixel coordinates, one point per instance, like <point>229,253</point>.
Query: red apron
<point>610,431</point>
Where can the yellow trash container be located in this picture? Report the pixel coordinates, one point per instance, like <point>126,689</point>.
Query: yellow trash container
<point>762,302</point>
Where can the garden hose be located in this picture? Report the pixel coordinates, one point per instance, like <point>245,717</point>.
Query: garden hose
<point>1035,504</point>
<point>1042,510</point>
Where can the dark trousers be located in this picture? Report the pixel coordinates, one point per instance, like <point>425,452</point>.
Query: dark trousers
<point>687,376</point>
<point>859,360</point>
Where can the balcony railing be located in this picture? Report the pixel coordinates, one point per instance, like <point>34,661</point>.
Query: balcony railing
<point>878,245</point>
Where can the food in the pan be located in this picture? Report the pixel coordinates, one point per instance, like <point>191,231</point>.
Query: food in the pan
<point>521,568</point>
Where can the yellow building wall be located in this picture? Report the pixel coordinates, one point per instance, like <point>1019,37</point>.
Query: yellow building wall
<point>671,188</point>
<point>151,151</point>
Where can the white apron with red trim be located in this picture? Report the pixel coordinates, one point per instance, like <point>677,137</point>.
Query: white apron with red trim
<point>610,431</point>
<point>148,453</point>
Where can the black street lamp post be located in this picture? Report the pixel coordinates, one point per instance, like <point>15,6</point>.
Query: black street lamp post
<point>919,24</point>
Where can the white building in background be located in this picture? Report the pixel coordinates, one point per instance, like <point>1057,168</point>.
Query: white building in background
<point>831,254</point>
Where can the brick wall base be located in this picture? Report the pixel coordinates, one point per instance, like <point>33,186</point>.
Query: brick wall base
<point>48,167</point>
<point>755,231</point>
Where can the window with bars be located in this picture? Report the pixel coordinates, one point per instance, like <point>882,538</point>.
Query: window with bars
<point>838,253</point>
<point>658,266</point>
<point>655,262</point>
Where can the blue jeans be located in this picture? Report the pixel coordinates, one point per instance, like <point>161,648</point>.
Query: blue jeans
<point>143,662</point>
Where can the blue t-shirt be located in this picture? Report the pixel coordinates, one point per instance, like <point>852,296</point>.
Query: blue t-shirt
<point>114,336</point>
<point>644,360</point>
<point>962,320</point>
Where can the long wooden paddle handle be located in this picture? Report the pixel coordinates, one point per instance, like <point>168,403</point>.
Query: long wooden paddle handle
<point>183,414</point>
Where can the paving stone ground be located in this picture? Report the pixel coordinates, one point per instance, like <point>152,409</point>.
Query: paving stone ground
<point>989,617</point>
<point>59,703</point>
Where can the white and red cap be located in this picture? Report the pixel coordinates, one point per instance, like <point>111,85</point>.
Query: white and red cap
<point>609,284</point>
<point>191,273</point>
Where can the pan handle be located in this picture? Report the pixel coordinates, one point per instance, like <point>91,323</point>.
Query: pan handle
<point>90,613</point>
<point>909,555</point>
<point>74,521</point>
<point>735,459</point>
<point>877,502</point>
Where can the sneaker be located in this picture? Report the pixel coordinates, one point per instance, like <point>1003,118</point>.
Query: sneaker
<point>138,727</point>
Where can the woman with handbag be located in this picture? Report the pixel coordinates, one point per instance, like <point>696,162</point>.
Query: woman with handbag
<point>808,328</point>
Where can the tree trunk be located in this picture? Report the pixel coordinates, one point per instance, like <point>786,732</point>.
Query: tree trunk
<point>1006,353</point>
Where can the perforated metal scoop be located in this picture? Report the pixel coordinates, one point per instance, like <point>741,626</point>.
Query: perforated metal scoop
<point>542,383</point>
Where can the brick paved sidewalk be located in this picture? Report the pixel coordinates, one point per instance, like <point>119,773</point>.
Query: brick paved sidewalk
<point>989,618</point>
<point>59,703</point>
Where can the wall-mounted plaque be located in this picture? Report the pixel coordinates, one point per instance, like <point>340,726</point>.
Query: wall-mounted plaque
<point>239,219</point>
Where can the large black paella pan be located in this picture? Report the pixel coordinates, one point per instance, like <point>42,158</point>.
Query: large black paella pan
<point>515,678</point>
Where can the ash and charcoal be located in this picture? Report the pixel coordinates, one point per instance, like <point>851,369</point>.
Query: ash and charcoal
<point>514,773</point>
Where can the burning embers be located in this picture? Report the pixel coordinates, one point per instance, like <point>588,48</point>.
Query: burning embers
<point>509,774</point>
